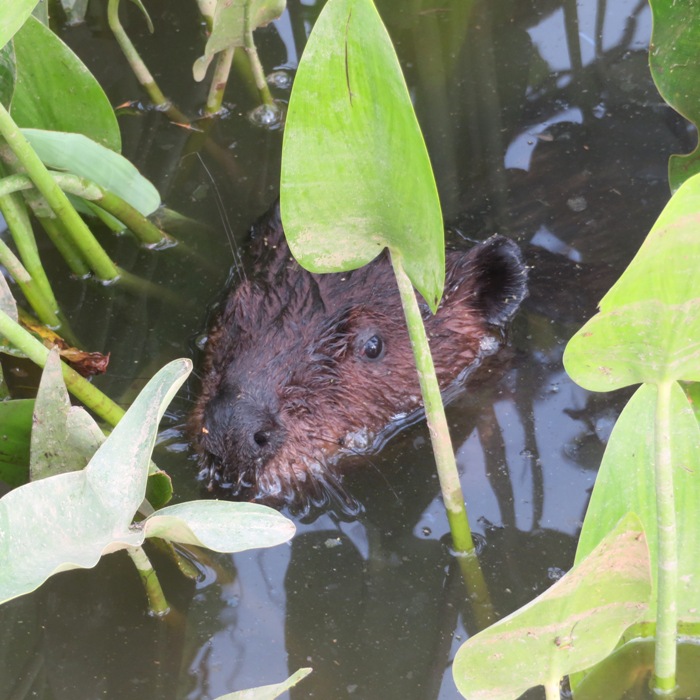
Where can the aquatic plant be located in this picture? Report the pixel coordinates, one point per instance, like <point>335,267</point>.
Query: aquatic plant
<point>352,144</point>
<point>87,495</point>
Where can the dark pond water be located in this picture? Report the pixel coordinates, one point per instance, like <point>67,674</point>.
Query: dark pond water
<point>542,123</point>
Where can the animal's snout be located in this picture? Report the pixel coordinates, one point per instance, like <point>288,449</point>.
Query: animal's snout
<point>242,430</point>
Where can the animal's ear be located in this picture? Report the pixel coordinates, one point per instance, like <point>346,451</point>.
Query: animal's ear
<point>499,278</point>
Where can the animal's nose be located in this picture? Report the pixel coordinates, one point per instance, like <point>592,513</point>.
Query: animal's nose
<point>242,429</point>
<point>258,432</point>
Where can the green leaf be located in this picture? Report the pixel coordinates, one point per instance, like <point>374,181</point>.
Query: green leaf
<point>674,59</point>
<point>12,16</point>
<point>220,525</point>
<point>8,74</point>
<point>55,90</point>
<point>70,520</point>
<point>15,431</point>
<point>626,481</point>
<point>645,342</point>
<point>571,626</point>
<point>233,21</point>
<point>356,177</point>
<point>81,156</point>
<point>64,437</point>
<point>649,320</point>
<point>268,692</point>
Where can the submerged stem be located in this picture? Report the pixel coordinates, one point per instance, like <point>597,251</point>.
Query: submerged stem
<point>157,604</point>
<point>222,69</point>
<point>57,200</point>
<point>552,690</point>
<point>143,75</point>
<point>667,611</point>
<point>258,70</point>
<point>435,415</point>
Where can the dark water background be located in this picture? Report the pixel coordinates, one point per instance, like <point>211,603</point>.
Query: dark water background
<point>543,124</point>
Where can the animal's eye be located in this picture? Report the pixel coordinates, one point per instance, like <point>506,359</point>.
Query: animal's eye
<point>373,349</point>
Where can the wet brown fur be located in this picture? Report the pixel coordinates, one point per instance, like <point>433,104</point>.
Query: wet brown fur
<point>287,385</point>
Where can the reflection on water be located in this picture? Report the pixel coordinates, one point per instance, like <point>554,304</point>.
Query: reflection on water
<point>542,123</point>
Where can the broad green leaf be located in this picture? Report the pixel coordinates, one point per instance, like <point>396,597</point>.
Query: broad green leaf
<point>674,59</point>
<point>645,342</point>
<point>12,16</point>
<point>8,74</point>
<point>649,322</point>
<point>268,692</point>
<point>159,489</point>
<point>15,431</point>
<point>64,437</point>
<point>665,266</point>
<point>571,626</point>
<point>233,21</point>
<point>356,177</point>
<point>56,91</point>
<point>79,155</point>
<point>221,526</point>
<point>70,520</point>
<point>626,481</point>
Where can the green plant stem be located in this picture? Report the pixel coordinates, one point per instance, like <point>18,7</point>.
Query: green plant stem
<point>667,615</point>
<point>17,219</point>
<point>80,387</point>
<point>258,71</point>
<point>143,75</point>
<point>552,690</point>
<point>222,69</point>
<point>65,246</point>
<point>157,604</point>
<point>57,200</point>
<point>435,414</point>
<point>143,229</point>
<point>32,293</point>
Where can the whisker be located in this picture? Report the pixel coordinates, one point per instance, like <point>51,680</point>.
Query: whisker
<point>228,230</point>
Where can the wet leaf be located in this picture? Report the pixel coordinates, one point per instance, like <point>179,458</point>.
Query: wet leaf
<point>571,626</point>
<point>64,437</point>
<point>56,91</point>
<point>232,22</point>
<point>70,520</point>
<point>81,156</point>
<point>626,482</point>
<point>220,525</point>
<point>8,72</point>
<point>12,16</point>
<point>15,431</point>
<point>356,177</point>
<point>674,59</point>
<point>268,692</point>
<point>649,319</point>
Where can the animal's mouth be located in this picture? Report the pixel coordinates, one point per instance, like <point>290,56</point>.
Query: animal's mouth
<point>314,487</point>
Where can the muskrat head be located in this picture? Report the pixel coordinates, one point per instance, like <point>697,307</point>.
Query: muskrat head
<point>301,369</point>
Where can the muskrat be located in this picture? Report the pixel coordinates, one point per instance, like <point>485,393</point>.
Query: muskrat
<point>300,368</point>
